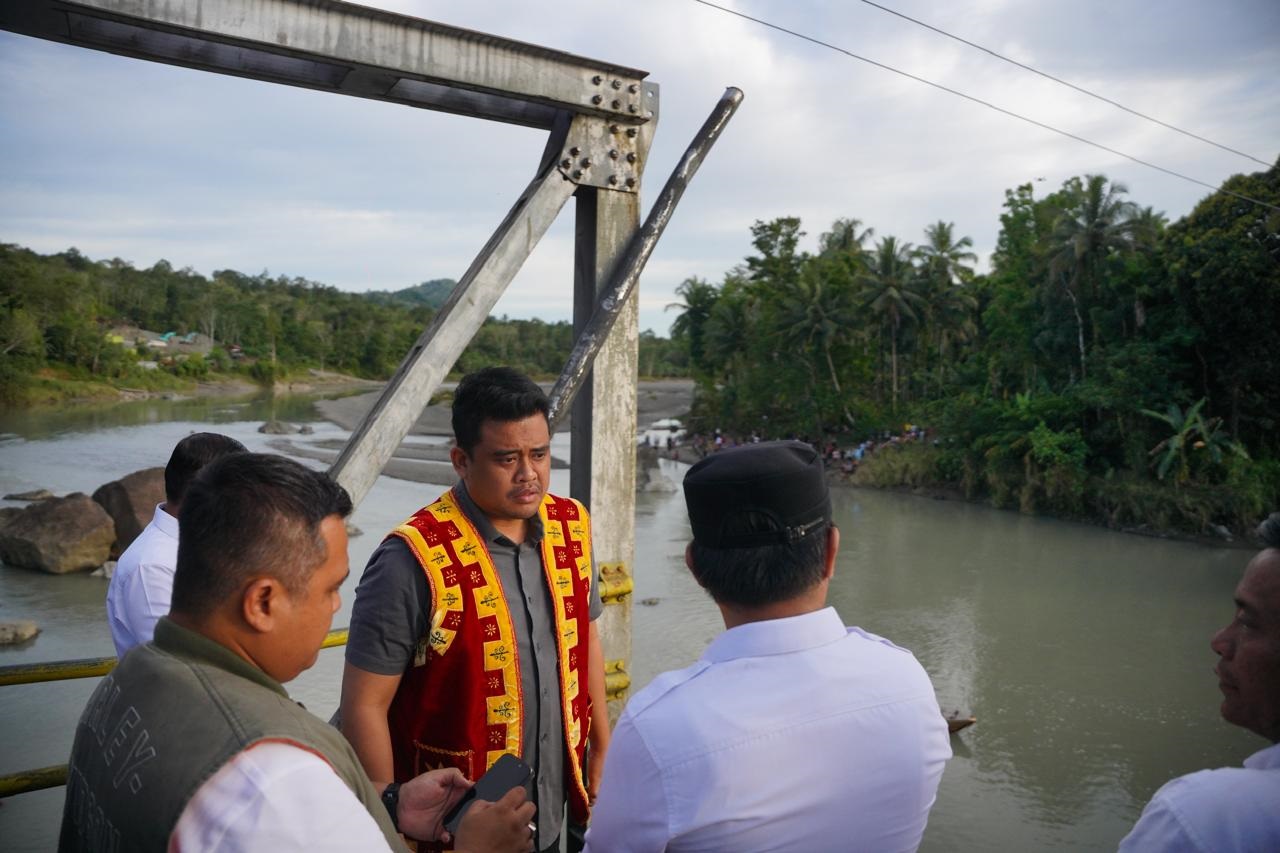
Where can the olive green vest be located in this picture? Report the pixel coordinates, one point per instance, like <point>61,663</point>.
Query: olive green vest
<point>170,715</point>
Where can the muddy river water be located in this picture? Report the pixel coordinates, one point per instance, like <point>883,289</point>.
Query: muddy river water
<point>1083,653</point>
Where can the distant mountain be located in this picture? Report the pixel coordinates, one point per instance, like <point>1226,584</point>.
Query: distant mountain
<point>430,293</point>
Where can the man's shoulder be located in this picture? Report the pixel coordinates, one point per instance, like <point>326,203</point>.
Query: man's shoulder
<point>662,691</point>
<point>1220,785</point>
<point>550,500</point>
<point>152,544</point>
<point>1235,800</point>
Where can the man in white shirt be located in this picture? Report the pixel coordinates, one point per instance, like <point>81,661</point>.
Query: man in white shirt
<point>792,732</point>
<point>1233,808</point>
<point>142,583</point>
<point>192,742</point>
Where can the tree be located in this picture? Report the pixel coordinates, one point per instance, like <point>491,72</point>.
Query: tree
<point>1224,262</point>
<point>1095,224</point>
<point>817,314</point>
<point>1191,431</point>
<point>844,238</point>
<point>890,292</point>
<point>944,271</point>
<point>945,257</point>
<point>777,241</point>
<point>698,298</point>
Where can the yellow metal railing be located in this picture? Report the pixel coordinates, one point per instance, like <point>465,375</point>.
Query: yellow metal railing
<point>64,670</point>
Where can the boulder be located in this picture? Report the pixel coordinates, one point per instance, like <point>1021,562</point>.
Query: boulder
<point>131,502</point>
<point>274,427</point>
<point>33,495</point>
<point>71,534</point>
<point>17,632</point>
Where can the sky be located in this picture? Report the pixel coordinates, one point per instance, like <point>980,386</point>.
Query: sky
<point>119,157</point>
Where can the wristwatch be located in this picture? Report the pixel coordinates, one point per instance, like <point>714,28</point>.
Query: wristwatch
<point>391,799</point>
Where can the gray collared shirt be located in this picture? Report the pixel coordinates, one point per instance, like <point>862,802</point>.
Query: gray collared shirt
<point>392,610</point>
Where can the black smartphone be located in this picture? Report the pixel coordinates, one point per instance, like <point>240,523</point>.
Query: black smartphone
<point>506,773</point>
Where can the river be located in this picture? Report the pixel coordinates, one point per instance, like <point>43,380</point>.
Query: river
<point>1082,652</point>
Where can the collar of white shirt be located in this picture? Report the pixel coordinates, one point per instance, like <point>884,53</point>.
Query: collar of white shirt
<point>777,636</point>
<point>164,522</point>
<point>1266,759</point>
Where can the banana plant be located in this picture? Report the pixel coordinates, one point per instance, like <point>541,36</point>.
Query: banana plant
<point>1191,431</point>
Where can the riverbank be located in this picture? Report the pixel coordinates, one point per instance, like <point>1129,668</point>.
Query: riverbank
<point>50,388</point>
<point>655,399</point>
<point>1125,502</point>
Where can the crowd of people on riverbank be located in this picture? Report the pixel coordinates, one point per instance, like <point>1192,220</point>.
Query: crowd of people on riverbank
<point>472,709</point>
<point>838,455</point>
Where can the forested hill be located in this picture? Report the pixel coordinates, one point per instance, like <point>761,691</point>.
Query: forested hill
<point>58,313</point>
<point>432,294</point>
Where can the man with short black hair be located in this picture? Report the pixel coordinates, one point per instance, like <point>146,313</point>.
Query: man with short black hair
<point>193,744</point>
<point>792,732</point>
<point>472,631</point>
<point>1233,808</point>
<point>142,582</point>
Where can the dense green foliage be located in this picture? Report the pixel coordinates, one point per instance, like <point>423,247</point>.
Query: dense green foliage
<point>56,312</point>
<point>1109,366</point>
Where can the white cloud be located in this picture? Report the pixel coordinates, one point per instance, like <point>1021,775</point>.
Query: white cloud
<point>144,161</point>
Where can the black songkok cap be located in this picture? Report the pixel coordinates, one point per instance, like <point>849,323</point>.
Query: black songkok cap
<point>758,494</point>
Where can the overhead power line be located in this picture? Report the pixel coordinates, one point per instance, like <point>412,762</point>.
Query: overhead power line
<point>989,105</point>
<point>1069,85</point>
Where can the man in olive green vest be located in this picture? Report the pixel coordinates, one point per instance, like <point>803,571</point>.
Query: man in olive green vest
<point>193,744</point>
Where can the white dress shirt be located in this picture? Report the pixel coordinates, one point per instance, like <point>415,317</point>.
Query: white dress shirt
<point>142,584</point>
<point>1229,809</point>
<point>275,796</point>
<point>788,734</point>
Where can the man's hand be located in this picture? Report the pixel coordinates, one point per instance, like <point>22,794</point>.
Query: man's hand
<point>501,827</point>
<point>595,767</point>
<point>426,799</point>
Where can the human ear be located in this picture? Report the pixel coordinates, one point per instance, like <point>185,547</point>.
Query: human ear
<point>260,603</point>
<point>833,548</point>
<point>688,561</point>
<point>460,460</point>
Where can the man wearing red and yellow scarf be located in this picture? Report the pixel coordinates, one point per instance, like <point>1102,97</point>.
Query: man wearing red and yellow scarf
<point>471,632</point>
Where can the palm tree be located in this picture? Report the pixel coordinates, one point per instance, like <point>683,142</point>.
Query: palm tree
<point>945,257</point>
<point>844,238</point>
<point>729,330</point>
<point>817,313</point>
<point>953,310</point>
<point>890,287</point>
<point>1094,223</point>
<point>945,272</point>
<point>699,298</point>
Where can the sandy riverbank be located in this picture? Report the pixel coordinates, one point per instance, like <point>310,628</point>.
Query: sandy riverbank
<point>421,462</point>
<point>655,399</point>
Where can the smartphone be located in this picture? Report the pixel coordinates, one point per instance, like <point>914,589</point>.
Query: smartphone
<point>506,773</point>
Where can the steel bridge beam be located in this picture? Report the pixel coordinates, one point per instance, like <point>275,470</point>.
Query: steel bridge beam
<point>347,49</point>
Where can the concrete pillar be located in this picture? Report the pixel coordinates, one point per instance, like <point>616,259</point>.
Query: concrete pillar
<point>603,425</point>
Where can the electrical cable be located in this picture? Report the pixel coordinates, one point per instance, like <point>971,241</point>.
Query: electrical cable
<point>989,105</point>
<point>1069,85</point>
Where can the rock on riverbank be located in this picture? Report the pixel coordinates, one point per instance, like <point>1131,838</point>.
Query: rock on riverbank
<point>61,535</point>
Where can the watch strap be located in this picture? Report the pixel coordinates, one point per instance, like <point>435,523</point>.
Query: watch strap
<point>391,800</point>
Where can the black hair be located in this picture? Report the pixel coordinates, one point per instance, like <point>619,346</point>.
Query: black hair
<point>765,574</point>
<point>1269,531</point>
<point>497,394</point>
<point>189,456</point>
<point>247,515</point>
